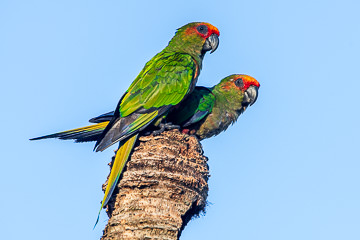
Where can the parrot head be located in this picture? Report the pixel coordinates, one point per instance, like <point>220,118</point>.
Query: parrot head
<point>241,90</point>
<point>196,39</point>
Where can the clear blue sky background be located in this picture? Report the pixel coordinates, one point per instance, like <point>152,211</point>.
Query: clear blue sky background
<point>288,169</point>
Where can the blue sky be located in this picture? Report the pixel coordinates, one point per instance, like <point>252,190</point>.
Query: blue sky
<point>288,169</point>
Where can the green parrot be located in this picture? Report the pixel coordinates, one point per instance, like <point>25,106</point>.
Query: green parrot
<point>206,112</point>
<point>163,83</point>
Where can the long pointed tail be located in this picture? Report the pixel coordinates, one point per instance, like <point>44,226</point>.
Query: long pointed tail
<point>83,134</point>
<point>121,157</point>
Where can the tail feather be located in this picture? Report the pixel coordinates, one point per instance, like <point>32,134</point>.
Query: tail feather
<point>83,134</point>
<point>123,127</point>
<point>103,117</point>
<point>121,158</point>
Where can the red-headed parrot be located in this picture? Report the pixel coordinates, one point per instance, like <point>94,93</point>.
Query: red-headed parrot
<point>163,83</point>
<point>206,112</point>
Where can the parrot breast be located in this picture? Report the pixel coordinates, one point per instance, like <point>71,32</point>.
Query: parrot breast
<point>216,122</point>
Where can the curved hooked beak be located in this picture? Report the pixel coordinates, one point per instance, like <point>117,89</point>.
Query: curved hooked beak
<point>211,43</point>
<point>250,96</point>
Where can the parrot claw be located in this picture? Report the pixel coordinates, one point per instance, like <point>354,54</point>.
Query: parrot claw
<point>147,133</point>
<point>165,126</point>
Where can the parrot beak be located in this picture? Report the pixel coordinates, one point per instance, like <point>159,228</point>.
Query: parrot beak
<point>211,43</point>
<point>250,96</point>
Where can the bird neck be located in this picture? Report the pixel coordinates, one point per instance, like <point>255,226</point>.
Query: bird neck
<point>187,46</point>
<point>230,99</point>
<point>227,106</point>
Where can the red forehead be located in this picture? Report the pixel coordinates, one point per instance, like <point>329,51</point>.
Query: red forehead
<point>211,29</point>
<point>229,82</point>
<point>248,81</point>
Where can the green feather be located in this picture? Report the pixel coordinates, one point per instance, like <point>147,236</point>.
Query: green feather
<point>158,80</point>
<point>199,103</point>
<point>208,111</point>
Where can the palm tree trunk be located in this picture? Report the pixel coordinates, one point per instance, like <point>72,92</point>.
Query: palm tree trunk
<point>163,186</point>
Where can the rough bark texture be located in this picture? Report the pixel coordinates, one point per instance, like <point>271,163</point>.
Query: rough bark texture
<point>163,186</point>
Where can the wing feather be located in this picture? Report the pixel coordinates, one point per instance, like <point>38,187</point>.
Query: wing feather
<point>163,83</point>
<point>194,108</point>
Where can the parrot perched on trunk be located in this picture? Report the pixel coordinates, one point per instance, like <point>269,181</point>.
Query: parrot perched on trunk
<point>209,111</point>
<point>163,83</point>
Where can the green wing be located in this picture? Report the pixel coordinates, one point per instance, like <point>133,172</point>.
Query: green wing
<point>194,108</point>
<point>164,82</point>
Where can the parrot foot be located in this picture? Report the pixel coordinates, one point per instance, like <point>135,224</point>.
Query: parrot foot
<point>165,126</point>
<point>188,131</point>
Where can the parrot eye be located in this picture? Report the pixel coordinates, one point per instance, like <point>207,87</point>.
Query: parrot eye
<point>239,82</point>
<point>203,29</point>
